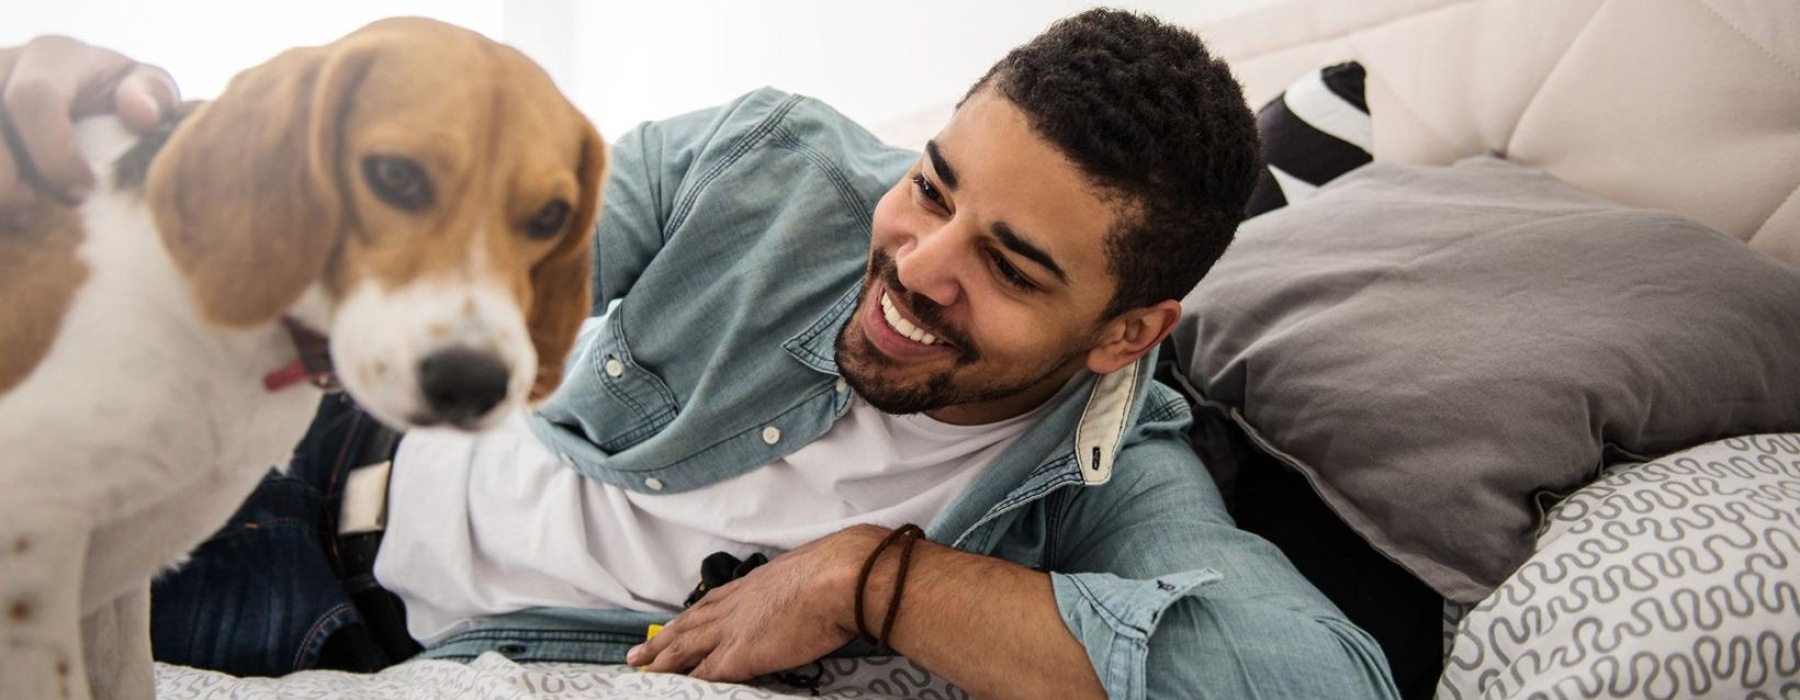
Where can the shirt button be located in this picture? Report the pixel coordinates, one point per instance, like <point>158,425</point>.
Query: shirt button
<point>653,483</point>
<point>614,367</point>
<point>771,435</point>
<point>842,386</point>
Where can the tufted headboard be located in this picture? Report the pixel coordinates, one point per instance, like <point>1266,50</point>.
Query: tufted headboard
<point>1691,106</point>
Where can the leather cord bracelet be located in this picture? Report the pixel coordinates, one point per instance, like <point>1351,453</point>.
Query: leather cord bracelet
<point>893,611</point>
<point>908,535</point>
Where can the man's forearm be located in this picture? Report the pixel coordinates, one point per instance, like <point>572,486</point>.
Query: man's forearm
<point>989,626</point>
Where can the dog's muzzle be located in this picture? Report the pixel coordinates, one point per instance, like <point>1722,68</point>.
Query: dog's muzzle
<point>460,386</point>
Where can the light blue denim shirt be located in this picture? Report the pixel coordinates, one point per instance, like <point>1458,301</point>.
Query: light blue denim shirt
<point>730,254</point>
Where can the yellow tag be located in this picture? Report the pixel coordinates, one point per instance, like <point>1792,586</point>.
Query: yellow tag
<point>650,634</point>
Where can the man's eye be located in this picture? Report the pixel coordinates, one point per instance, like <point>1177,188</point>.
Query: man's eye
<point>1011,274</point>
<point>927,190</point>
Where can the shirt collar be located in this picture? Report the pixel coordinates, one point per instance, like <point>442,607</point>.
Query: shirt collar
<point>816,345</point>
<point>1101,428</point>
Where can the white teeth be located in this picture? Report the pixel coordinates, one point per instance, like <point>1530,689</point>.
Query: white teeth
<point>905,327</point>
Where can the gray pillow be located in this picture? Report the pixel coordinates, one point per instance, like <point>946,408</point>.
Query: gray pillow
<point>1444,351</point>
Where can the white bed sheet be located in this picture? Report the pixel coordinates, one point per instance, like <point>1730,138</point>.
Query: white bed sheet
<point>495,677</point>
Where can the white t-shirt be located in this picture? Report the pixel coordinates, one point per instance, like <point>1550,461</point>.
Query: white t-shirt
<point>480,525</point>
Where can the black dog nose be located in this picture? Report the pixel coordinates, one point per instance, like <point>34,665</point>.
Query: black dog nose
<point>461,385</point>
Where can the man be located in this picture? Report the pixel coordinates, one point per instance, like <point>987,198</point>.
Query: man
<point>812,339</point>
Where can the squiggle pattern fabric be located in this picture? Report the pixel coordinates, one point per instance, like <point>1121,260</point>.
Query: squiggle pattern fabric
<point>494,677</point>
<point>1678,578</point>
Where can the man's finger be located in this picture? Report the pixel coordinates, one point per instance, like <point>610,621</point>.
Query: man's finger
<point>707,670</point>
<point>10,187</point>
<point>717,668</point>
<point>10,182</point>
<point>144,96</point>
<point>643,654</point>
<point>37,112</point>
<point>679,656</point>
<point>54,79</point>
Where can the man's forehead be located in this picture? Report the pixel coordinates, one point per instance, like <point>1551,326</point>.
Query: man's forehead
<point>1024,187</point>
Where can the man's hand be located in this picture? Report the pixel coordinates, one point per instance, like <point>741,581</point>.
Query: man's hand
<point>45,86</point>
<point>786,613</point>
<point>987,625</point>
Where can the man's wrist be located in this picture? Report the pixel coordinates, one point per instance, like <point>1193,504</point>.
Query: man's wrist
<point>846,568</point>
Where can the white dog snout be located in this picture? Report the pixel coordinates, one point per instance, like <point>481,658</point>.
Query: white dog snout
<point>434,354</point>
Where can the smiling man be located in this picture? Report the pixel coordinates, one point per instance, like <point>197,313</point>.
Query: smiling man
<point>985,289</point>
<point>812,339</point>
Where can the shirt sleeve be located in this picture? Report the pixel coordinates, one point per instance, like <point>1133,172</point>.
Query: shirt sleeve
<point>1172,600</point>
<point>654,168</point>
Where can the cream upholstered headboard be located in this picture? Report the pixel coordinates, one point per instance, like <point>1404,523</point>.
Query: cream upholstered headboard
<point>1691,106</point>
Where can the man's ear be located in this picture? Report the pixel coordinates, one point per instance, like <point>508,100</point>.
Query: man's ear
<point>1125,339</point>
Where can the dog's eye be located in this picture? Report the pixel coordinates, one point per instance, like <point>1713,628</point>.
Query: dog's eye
<point>398,181</point>
<point>549,221</point>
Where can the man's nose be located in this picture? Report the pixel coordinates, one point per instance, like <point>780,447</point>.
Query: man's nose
<point>931,266</point>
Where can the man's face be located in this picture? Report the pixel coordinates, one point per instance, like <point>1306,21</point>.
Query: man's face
<point>987,274</point>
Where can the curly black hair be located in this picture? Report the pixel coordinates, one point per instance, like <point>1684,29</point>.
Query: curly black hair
<point>1155,121</point>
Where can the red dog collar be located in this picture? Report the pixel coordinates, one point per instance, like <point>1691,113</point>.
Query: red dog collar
<point>314,364</point>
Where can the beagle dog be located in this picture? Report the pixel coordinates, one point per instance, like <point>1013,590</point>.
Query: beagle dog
<point>418,195</point>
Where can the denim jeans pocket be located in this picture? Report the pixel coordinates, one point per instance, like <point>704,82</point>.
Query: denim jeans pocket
<point>259,599</point>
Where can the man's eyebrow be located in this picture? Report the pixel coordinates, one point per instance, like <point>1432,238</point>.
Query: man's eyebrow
<point>940,165</point>
<point>1024,247</point>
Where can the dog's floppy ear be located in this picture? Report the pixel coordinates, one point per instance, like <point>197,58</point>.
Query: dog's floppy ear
<point>245,194</point>
<point>562,283</point>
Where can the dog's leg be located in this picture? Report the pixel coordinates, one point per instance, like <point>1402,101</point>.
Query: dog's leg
<point>40,607</point>
<point>116,639</point>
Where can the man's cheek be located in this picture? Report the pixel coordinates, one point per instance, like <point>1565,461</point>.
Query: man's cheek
<point>889,212</point>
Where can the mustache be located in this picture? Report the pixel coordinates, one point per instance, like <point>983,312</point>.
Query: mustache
<point>928,312</point>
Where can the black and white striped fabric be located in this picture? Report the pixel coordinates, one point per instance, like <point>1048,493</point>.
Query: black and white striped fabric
<point>1315,131</point>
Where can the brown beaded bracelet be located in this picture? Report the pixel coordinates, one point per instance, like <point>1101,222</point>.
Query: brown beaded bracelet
<point>909,533</point>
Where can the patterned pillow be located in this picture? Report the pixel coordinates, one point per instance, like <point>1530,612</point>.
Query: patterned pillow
<point>1313,132</point>
<point>1679,578</point>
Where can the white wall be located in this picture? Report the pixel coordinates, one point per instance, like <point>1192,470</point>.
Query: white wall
<point>204,42</point>
<point>874,61</point>
<point>621,61</point>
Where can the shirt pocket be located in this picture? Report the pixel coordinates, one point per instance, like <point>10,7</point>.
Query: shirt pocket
<point>606,395</point>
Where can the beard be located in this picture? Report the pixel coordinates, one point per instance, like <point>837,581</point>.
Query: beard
<point>896,389</point>
<point>873,377</point>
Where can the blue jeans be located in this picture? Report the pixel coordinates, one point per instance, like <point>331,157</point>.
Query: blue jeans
<point>275,590</point>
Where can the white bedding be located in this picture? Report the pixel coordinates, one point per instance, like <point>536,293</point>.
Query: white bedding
<point>494,677</point>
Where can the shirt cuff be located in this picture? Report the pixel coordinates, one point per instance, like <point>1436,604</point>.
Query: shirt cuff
<point>1114,617</point>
